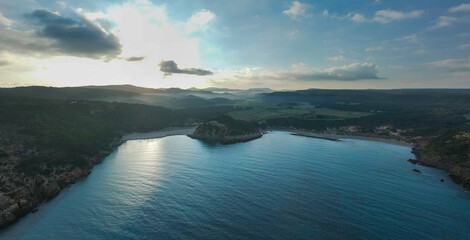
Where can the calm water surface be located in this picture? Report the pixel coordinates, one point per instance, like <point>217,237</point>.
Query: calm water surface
<point>277,187</point>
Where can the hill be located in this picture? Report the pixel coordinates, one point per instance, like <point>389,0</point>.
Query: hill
<point>226,130</point>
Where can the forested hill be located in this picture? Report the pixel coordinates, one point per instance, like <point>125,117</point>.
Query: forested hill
<point>170,98</point>
<point>77,129</point>
<point>46,144</point>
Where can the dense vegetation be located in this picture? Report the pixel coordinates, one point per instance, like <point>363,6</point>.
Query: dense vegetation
<point>60,133</point>
<point>237,127</point>
<point>438,117</point>
<point>69,125</point>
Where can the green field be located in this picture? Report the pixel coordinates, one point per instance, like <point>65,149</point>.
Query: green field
<point>260,112</point>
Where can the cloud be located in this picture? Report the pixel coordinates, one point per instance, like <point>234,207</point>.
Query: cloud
<point>75,37</point>
<point>374,49</point>
<point>5,21</point>
<point>170,67</point>
<point>351,72</point>
<point>387,16</point>
<point>382,16</point>
<point>464,46</point>
<point>302,73</point>
<point>25,42</point>
<point>199,21</point>
<point>464,7</point>
<point>359,18</point>
<point>3,63</point>
<point>135,59</point>
<point>296,10</point>
<point>421,51</point>
<point>337,58</point>
<point>445,21</point>
<point>410,38</point>
<point>456,65</point>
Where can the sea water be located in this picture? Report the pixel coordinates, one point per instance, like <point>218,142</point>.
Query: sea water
<point>278,187</point>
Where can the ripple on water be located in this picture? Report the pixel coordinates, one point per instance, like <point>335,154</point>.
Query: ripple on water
<point>277,187</point>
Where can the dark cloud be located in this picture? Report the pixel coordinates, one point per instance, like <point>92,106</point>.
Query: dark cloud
<point>78,37</point>
<point>170,67</point>
<point>25,42</point>
<point>135,59</point>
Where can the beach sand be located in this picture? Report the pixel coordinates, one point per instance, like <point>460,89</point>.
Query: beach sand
<point>159,134</point>
<point>338,137</point>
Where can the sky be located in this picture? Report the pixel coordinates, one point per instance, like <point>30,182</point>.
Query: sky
<point>333,44</point>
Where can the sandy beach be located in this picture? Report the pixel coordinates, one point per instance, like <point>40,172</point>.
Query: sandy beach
<point>338,137</point>
<point>159,134</point>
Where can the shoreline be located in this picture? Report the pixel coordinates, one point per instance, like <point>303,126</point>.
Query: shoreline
<point>338,137</point>
<point>173,131</point>
<point>50,187</point>
<point>78,174</point>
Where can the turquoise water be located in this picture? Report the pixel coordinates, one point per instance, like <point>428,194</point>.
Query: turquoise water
<point>278,187</point>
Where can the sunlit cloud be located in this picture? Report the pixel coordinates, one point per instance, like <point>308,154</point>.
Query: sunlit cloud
<point>359,18</point>
<point>465,46</point>
<point>410,38</point>
<point>132,37</point>
<point>382,16</point>
<point>303,73</point>
<point>387,16</point>
<point>125,41</point>
<point>337,58</point>
<point>5,21</point>
<point>374,49</point>
<point>199,21</point>
<point>464,7</point>
<point>453,65</point>
<point>297,10</point>
<point>444,21</point>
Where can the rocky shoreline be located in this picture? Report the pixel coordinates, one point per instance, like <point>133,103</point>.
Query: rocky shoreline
<point>457,173</point>
<point>34,190</point>
<point>37,189</point>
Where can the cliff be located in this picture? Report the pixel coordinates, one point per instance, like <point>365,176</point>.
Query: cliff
<point>429,152</point>
<point>226,130</point>
<point>22,193</point>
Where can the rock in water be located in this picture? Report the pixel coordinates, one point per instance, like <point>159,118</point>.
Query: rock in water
<point>414,161</point>
<point>416,170</point>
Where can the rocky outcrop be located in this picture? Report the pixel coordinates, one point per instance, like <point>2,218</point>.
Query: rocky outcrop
<point>21,194</point>
<point>459,173</point>
<point>221,132</point>
<point>31,192</point>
